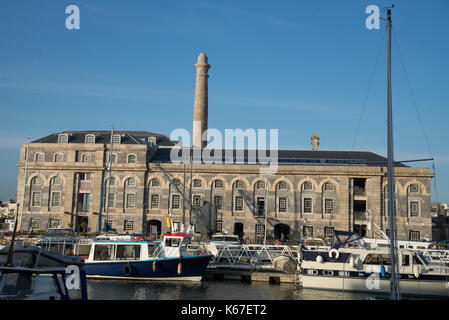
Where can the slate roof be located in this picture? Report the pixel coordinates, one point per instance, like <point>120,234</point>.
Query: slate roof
<point>104,137</point>
<point>302,157</point>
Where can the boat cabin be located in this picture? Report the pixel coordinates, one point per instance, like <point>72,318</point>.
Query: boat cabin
<point>140,248</point>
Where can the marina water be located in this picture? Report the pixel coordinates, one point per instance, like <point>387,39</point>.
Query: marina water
<point>210,290</point>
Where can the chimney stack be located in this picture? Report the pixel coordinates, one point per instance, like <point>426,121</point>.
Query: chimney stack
<point>201,102</point>
<point>315,142</point>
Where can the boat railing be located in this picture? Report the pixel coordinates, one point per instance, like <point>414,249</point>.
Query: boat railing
<point>64,247</point>
<point>252,254</point>
<point>436,256</point>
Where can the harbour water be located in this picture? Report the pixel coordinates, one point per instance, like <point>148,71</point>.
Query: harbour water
<point>210,290</point>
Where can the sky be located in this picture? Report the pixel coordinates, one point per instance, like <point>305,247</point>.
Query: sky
<point>301,67</point>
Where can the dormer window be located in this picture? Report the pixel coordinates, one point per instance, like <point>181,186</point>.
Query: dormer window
<point>116,139</point>
<point>63,138</point>
<point>89,138</point>
<point>152,141</point>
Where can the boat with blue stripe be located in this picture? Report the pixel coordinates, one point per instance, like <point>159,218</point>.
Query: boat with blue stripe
<point>140,258</point>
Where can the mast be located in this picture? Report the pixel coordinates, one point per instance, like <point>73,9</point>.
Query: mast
<point>395,294</point>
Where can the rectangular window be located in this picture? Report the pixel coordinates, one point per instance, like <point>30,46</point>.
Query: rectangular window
<point>414,235</point>
<point>111,200</point>
<point>282,204</point>
<point>154,201</point>
<point>260,207</point>
<point>307,205</point>
<point>113,158</point>
<point>110,223</point>
<point>83,202</point>
<point>197,201</point>
<point>128,252</point>
<point>40,157</point>
<point>36,199</point>
<point>86,158</point>
<point>54,223</point>
<point>35,223</point>
<point>130,200</point>
<point>260,230</point>
<point>85,176</point>
<point>238,203</point>
<point>307,232</point>
<point>55,199</point>
<point>104,252</point>
<point>129,225</point>
<point>175,201</point>
<point>414,209</point>
<point>58,158</point>
<point>328,206</point>
<point>328,231</point>
<point>218,202</point>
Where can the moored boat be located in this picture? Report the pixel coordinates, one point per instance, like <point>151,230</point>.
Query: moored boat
<point>144,259</point>
<point>359,268</point>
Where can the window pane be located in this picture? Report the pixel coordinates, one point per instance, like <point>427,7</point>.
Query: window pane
<point>238,203</point>
<point>128,252</point>
<point>175,201</point>
<point>308,205</point>
<point>130,200</point>
<point>56,199</point>
<point>111,200</point>
<point>154,201</point>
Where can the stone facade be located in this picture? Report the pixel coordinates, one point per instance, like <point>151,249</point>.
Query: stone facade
<point>303,200</point>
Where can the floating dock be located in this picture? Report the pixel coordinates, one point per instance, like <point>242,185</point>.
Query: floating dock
<point>271,276</point>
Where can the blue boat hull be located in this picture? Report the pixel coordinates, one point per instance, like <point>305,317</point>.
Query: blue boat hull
<point>187,268</point>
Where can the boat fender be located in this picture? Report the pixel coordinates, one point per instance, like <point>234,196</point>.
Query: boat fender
<point>331,253</point>
<point>383,273</point>
<point>319,259</point>
<point>154,266</point>
<point>179,268</point>
<point>416,271</point>
<point>128,270</point>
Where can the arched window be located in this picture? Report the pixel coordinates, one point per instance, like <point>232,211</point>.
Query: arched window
<point>307,186</point>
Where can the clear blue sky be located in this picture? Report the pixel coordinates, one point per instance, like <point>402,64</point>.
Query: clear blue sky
<point>302,67</point>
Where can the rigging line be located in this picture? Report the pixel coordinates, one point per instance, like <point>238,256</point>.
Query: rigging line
<point>369,89</point>
<point>417,110</point>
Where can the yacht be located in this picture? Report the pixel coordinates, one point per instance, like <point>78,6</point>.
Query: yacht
<point>351,265</point>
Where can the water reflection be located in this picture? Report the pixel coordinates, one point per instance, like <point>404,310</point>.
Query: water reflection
<point>208,290</point>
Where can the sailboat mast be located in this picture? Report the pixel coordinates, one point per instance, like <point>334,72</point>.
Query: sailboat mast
<point>395,294</point>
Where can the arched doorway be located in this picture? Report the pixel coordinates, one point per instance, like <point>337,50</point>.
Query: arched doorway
<point>280,229</point>
<point>154,228</point>
<point>238,229</point>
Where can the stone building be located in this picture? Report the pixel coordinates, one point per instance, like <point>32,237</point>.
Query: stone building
<point>312,193</point>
